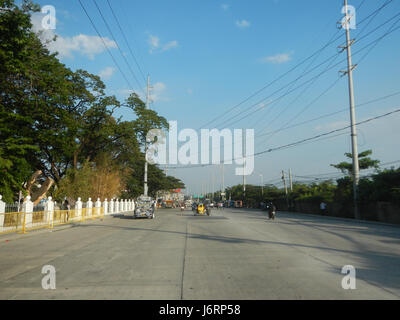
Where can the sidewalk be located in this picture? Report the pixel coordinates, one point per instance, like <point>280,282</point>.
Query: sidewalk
<point>12,236</point>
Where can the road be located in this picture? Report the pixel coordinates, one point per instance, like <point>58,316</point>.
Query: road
<point>233,254</point>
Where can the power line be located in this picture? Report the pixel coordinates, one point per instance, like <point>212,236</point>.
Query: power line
<point>118,47</point>
<point>336,81</point>
<point>272,82</point>
<point>289,71</point>
<point>105,45</point>
<point>294,144</point>
<point>329,114</point>
<point>299,95</point>
<point>126,41</point>
<point>308,105</point>
<point>359,51</point>
<point>325,134</point>
<point>336,175</point>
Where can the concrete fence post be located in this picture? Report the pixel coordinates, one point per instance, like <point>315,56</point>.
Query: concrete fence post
<point>125,205</point>
<point>78,208</point>
<point>49,208</point>
<point>105,207</point>
<point>111,210</point>
<point>2,211</point>
<point>97,207</point>
<point>28,209</point>
<point>89,206</point>
<point>116,206</point>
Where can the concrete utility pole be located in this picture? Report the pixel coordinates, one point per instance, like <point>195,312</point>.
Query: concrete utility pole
<point>223,182</point>
<point>286,191</point>
<point>145,143</point>
<point>244,165</point>
<point>284,181</point>
<point>290,180</point>
<point>350,67</point>
<point>262,185</point>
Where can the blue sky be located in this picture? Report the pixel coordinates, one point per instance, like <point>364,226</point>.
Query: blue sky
<point>204,57</point>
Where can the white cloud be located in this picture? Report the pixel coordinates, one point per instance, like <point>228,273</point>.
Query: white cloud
<point>225,6</point>
<point>157,92</point>
<point>332,126</point>
<point>169,45</point>
<point>107,73</point>
<point>278,58</point>
<point>155,44</point>
<point>84,44</point>
<point>126,91</point>
<point>243,24</point>
<point>66,46</point>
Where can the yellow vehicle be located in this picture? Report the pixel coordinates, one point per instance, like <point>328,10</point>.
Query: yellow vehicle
<point>202,210</point>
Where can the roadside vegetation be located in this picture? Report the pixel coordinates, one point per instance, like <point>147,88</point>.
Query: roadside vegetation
<point>382,185</point>
<point>59,134</point>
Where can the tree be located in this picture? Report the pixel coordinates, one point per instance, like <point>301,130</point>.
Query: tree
<point>364,161</point>
<point>15,145</point>
<point>55,122</point>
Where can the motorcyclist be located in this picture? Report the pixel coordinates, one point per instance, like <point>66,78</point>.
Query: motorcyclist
<point>271,210</point>
<point>208,209</point>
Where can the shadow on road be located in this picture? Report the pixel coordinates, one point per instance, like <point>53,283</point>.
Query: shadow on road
<point>381,263</point>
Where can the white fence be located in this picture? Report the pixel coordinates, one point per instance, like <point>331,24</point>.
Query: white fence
<point>26,216</point>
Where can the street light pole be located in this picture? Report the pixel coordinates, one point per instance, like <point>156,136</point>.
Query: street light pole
<point>145,143</point>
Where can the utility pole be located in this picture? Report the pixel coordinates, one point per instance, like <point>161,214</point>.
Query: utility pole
<point>145,142</point>
<point>291,189</point>
<point>350,67</point>
<point>223,182</point>
<point>284,184</point>
<point>244,166</point>
<point>213,186</point>
<point>262,185</point>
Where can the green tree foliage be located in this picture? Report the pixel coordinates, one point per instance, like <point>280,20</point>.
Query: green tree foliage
<point>383,186</point>
<point>59,121</point>
<point>365,162</point>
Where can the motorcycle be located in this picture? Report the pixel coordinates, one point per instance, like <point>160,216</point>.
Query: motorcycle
<point>272,215</point>
<point>271,211</point>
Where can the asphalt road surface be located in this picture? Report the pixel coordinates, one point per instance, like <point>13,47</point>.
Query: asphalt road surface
<point>233,254</point>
